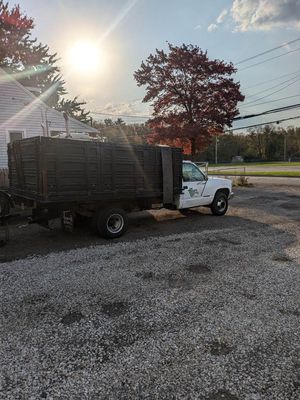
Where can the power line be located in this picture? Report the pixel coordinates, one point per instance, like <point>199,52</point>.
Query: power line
<point>269,59</point>
<point>270,101</point>
<point>273,111</point>
<point>270,94</point>
<point>273,87</point>
<point>267,51</point>
<point>278,121</point>
<point>271,80</point>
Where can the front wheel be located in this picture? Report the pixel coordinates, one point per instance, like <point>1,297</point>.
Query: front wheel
<point>111,223</point>
<point>220,204</point>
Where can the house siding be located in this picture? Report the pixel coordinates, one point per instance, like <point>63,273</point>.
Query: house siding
<point>19,110</point>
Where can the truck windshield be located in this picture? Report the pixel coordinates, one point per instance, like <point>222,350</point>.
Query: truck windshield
<point>190,173</point>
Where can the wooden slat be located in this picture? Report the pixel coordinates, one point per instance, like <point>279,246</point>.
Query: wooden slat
<point>167,167</point>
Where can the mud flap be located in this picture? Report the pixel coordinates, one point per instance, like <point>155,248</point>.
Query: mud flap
<point>67,221</point>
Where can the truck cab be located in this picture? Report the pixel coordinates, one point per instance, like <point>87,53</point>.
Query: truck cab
<point>200,190</point>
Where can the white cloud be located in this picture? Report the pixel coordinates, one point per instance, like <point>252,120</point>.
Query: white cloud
<point>222,16</point>
<point>265,14</point>
<point>212,27</point>
<point>198,27</point>
<point>135,107</point>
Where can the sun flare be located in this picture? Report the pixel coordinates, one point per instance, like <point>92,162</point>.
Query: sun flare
<point>85,57</point>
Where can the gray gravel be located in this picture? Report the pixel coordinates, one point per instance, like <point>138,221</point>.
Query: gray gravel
<point>212,314</point>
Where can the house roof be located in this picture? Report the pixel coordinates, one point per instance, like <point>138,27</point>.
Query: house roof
<point>84,126</point>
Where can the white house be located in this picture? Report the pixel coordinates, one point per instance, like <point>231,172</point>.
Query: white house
<point>24,115</point>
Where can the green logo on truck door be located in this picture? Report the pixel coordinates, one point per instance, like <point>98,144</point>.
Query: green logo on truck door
<point>193,192</point>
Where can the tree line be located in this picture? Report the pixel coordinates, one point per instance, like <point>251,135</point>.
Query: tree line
<point>268,143</point>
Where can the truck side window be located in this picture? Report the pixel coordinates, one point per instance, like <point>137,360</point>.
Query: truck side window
<point>190,173</point>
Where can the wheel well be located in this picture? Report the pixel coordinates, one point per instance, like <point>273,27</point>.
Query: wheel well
<point>223,190</point>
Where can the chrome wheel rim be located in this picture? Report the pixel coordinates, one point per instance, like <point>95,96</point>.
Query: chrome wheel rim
<point>115,223</point>
<point>221,205</point>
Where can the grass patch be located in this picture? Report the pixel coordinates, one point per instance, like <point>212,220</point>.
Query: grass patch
<point>250,164</point>
<point>257,173</point>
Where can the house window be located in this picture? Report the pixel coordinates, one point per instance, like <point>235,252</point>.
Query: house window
<point>15,135</point>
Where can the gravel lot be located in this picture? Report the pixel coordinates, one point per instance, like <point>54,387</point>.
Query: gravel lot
<point>193,307</point>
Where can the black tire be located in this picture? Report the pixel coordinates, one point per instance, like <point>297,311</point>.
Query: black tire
<point>111,223</point>
<point>4,205</point>
<point>220,204</point>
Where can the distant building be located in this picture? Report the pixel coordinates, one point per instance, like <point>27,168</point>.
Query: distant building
<point>23,114</point>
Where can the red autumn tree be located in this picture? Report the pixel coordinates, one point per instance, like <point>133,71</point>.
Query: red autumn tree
<point>193,97</point>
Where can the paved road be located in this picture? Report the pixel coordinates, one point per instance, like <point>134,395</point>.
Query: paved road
<point>258,168</point>
<point>182,307</point>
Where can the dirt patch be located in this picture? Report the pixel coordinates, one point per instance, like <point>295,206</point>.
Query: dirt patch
<point>295,313</point>
<point>173,240</point>
<point>114,309</point>
<point>71,318</point>
<point>217,348</point>
<point>177,281</point>
<point>174,280</point>
<point>35,299</point>
<point>281,258</point>
<point>145,275</point>
<point>199,269</point>
<point>290,206</point>
<point>222,240</point>
<point>266,198</point>
<point>230,241</point>
<point>125,335</point>
<point>248,295</point>
<point>222,395</point>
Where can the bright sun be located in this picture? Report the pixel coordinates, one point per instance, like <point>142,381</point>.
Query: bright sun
<point>84,57</point>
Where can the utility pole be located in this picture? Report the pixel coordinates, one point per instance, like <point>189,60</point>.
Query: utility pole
<point>284,145</point>
<point>66,117</point>
<point>216,151</point>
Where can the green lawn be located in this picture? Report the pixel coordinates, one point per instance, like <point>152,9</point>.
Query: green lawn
<point>249,164</point>
<point>256,173</point>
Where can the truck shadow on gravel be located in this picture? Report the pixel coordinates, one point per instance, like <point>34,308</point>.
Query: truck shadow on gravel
<point>35,240</point>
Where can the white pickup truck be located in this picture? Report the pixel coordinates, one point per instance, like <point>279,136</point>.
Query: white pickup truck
<point>200,190</point>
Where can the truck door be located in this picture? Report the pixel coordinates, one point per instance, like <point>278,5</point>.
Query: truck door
<point>194,182</point>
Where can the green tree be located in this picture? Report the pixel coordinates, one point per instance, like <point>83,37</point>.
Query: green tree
<point>75,109</point>
<point>32,63</point>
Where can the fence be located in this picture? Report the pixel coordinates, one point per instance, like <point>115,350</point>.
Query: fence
<point>3,177</point>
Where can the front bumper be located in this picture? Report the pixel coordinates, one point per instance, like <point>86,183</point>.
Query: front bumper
<point>231,195</point>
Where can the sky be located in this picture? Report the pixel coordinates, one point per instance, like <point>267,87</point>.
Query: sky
<point>126,31</point>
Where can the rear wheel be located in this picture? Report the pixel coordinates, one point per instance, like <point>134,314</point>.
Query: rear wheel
<point>220,204</point>
<point>111,222</point>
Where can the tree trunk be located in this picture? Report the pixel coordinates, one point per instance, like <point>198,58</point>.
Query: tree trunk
<point>193,146</point>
